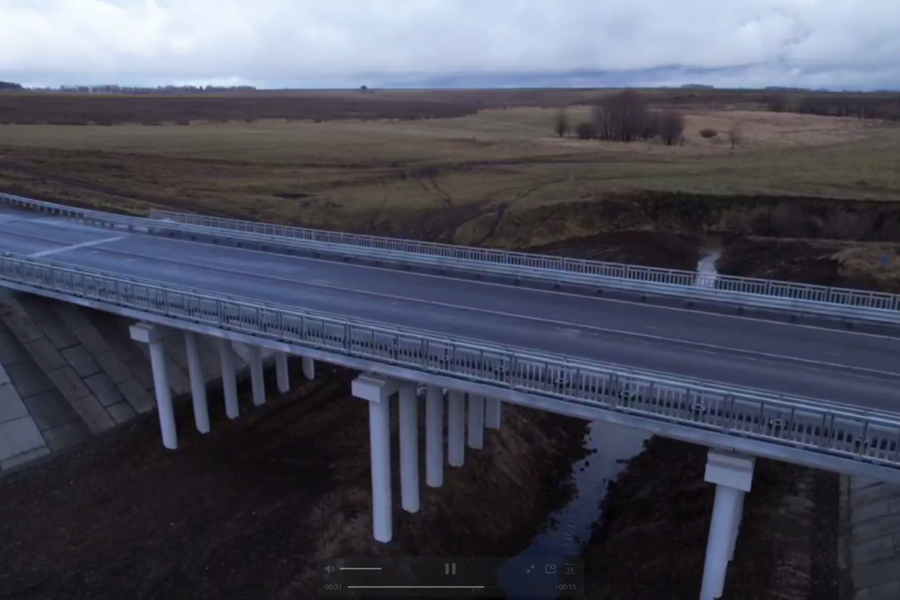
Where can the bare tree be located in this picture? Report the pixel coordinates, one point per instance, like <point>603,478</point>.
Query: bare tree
<point>622,117</point>
<point>651,126</point>
<point>586,130</point>
<point>736,133</point>
<point>562,123</point>
<point>777,103</point>
<point>671,127</point>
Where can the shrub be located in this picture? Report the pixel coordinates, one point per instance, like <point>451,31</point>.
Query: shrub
<point>708,132</point>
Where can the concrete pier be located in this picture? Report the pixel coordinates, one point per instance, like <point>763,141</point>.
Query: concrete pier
<point>409,447</point>
<point>198,383</point>
<point>434,436</point>
<point>377,391</point>
<point>281,372</point>
<point>456,429</point>
<point>733,475</point>
<point>150,335</point>
<point>476,422</point>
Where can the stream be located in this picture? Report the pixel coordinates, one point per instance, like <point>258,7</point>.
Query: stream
<point>610,447</point>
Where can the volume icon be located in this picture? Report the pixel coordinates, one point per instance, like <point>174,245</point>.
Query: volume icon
<point>330,569</point>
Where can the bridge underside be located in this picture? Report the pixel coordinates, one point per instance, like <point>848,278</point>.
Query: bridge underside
<point>69,372</point>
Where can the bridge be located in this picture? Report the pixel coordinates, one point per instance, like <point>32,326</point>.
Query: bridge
<point>748,368</point>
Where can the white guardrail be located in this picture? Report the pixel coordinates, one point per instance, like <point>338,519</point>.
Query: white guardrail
<point>846,303</point>
<point>826,429</point>
<point>843,303</point>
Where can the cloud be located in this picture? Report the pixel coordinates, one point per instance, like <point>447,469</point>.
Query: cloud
<point>161,41</point>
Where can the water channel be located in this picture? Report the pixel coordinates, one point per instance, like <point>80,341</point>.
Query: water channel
<point>610,447</point>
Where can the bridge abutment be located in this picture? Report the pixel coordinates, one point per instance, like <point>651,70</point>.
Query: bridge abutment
<point>733,475</point>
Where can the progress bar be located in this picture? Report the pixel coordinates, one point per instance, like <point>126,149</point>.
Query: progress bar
<point>416,587</point>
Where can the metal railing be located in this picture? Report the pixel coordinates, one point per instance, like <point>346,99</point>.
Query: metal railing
<point>667,378</point>
<point>862,304</point>
<point>844,303</point>
<point>840,432</point>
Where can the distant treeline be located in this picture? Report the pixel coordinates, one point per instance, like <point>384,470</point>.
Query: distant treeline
<point>861,106</point>
<point>8,85</point>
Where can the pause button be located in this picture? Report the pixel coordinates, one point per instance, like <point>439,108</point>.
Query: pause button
<point>449,568</point>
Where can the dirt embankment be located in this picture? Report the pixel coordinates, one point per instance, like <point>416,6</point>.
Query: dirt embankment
<point>508,226</point>
<point>248,510</point>
<point>868,266</point>
<point>691,213</point>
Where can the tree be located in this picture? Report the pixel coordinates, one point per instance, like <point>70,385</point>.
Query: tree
<point>622,117</point>
<point>736,133</point>
<point>777,103</point>
<point>671,127</point>
<point>562,123</point>
<point>586,130</point>
<point>651,126</point>
<point>9,85</point>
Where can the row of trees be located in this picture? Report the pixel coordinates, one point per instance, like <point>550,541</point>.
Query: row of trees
<point>625,117</point>
<point>838,105</point>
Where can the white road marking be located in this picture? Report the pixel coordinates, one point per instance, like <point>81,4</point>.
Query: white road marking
<point>73,247</point>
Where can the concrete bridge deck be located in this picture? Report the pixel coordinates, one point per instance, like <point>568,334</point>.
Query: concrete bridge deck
<point>840,366</point>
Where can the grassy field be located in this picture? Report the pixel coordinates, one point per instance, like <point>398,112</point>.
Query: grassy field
<point>474,170</point>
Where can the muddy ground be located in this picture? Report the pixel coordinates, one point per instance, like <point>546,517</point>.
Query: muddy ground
<point>247,511</point>
<point>652,541</point>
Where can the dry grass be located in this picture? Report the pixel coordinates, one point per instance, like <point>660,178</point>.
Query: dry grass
<point>353,174</point>
<point>879,261</point>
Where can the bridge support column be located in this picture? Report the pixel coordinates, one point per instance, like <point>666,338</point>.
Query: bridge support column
<point>409,447</point>
<point>281,372</point>
<point>309,368</point>
<point>198,383</point>
<point>733,475</point>
<point>456,429</point>
<point>150,335</point>
<point>257,379</point>
<point>229,378</point>
<point>476,422</point>
<point>434,436</point>
<point>737,528</point>
<point>492,413</point>
<point>378,391</point>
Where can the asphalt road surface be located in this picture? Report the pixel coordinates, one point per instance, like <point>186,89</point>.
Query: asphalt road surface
<point>840,366</point>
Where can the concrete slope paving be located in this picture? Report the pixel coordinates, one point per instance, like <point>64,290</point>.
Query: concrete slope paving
<point>67,373</point>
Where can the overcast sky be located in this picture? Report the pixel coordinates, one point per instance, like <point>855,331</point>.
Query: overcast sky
<point>314,42</point>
